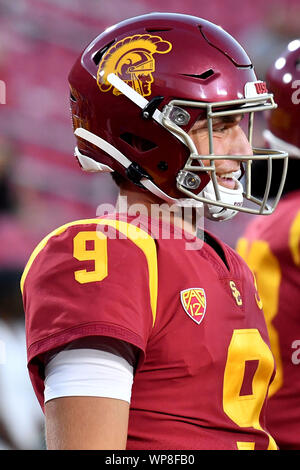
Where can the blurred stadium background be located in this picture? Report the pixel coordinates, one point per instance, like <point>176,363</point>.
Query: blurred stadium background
<point>41,186</point>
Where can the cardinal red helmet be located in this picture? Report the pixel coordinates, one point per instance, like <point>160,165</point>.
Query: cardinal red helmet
<point>138,89</point>
<point>284,81</point>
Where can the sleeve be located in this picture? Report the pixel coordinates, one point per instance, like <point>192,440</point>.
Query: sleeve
<point>85,280</point>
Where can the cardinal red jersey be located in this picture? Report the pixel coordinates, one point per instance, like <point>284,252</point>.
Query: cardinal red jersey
<point>271,248</point>
<point>205,364</point>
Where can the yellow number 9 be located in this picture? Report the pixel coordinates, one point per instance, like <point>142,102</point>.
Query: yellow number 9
<point>98,254</point>
<point>244,410</point>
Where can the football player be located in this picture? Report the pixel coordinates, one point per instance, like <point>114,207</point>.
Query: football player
<point>133,340</point>
<point>271,248</point>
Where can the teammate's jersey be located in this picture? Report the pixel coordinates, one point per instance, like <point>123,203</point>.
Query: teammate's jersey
<point>204,365</point>
<point>271,248</point>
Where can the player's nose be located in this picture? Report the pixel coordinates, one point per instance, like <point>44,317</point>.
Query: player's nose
<point>239,144</point>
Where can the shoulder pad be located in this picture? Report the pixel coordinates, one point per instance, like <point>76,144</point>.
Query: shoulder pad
<point>96,230</point>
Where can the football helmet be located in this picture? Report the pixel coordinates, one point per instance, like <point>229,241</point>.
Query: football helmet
<point>140,86</point>
<point>283,79</point>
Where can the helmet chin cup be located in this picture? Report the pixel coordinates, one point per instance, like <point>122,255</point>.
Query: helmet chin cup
<point>232,197</point>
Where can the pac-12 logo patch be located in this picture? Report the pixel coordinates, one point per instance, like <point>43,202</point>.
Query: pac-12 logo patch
<point>194,303</point>
<point>131,59</point>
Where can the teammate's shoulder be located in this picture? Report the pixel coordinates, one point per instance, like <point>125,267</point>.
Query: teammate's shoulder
<point>277,223</point>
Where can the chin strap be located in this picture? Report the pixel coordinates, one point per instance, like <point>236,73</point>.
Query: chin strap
<point>210,211</point>
<point>229,196</point>
<point>88,164</point>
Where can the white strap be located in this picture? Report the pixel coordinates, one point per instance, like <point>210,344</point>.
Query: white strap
<point>103,145</point>
<point>184,202</point>
<point>133,95</point>
<point>117,155</point>
<point>140,101</point>
<point>89,164</point>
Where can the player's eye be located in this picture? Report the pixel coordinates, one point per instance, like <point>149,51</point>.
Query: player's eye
<point>220,128</point>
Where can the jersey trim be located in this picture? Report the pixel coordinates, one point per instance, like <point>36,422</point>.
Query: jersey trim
<point>138,236</point>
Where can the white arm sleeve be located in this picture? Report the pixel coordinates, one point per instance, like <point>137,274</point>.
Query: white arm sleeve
<point>88,372</point>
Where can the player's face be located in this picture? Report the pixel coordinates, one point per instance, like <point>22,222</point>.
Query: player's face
<point>228,139</point>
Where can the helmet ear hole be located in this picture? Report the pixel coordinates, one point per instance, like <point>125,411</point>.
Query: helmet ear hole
<point>162,166</point>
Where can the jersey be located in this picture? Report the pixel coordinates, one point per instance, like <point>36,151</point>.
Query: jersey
<point>204,364</point>
<point>271,248</point>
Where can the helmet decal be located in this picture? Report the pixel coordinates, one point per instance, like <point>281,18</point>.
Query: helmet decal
<point>132,60</point>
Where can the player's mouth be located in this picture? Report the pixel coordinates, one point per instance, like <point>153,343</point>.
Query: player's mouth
<point>228,180</point>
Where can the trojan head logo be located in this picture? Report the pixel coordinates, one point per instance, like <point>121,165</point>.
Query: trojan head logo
<point>131,59</point>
